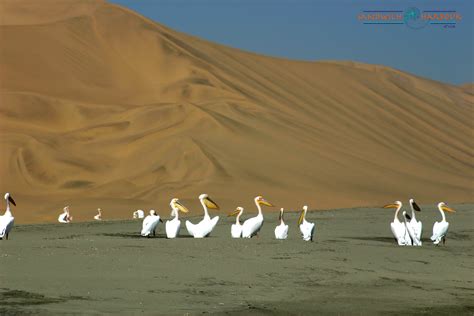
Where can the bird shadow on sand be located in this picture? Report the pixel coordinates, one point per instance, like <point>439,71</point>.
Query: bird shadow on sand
<point>138,236</point>
<point>389,240</point>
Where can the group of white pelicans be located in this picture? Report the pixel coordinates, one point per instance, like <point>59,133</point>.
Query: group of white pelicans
<point>407,233</point>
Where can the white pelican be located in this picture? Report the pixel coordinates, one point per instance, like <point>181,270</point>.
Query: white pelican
<point>409,230</point>
<point>7,220</point>
<point>236,229</point>
<point>399,229</point>
<point>65,217</point>
<point>149,224</point>
<point>416,225</point>
<point>306,228</point>
<point>98,217</point>
<point>252,226</point>
<point>440,229</point>
<point>138,214</point>
<point>206,225</point>
<point>172,226</point>
<point>281,231</point>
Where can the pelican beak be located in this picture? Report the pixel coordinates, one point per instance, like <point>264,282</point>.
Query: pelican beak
<point>234,213</point>
<point>265,202</point>
<point>416,207</point>
<point>210,203</point>
<point>300,220</point>
<point>280,216</point>
<point>447,209</point>
<point>391,206</point>
<point>11,200</point>
<point>161,221</point>
<point>181,207</point>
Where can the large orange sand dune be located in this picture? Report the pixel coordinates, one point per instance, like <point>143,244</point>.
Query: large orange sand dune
<point>102,107</point>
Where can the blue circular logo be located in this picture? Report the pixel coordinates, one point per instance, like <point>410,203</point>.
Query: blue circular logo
<point>413,19</point>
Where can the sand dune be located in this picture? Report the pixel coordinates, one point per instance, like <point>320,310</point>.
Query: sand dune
<point>103,107</point>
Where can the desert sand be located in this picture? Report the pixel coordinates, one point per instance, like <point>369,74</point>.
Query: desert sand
<point>101,107</point>
<point>353,267</point>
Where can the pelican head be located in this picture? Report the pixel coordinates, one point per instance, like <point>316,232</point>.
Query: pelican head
<point>208,201</point>
<point>302,215</point>
<point>281,214</point>
<point>152,212</point>
<point>444,207</point>
<point>176,204</point>
<point>8,197</point>
<point>66,209</point>
<point>395,204</point>
<point>236,211</point>
<point>414,205</point>
<point>260,200</point>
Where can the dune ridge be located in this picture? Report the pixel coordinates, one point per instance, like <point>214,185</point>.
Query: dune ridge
<point>101,107</point>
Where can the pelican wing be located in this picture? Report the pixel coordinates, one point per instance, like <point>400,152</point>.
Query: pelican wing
<point>252,226</point>
<point>172,228</point>
<point>149,225</point>
<point>6,224</point>
<point>440,229</point>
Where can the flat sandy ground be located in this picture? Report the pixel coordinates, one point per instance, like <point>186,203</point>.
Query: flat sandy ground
<point>353,267</point>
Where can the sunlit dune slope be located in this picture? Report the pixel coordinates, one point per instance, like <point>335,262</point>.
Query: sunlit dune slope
<point>101,107</point>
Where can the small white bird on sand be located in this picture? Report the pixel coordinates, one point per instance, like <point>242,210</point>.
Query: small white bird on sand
<point>65,217</point>
<point>306,228</point>
<point>440,229</point>
<point>150,223</point>
<point>138,214</point>
<point>281,231</point>
<point>98,217</point>
<point>398,228</point>
<point>7,220</point>
<point>252,226</point>
<point>207,224</point>
<point>172,226</point>
<point>236,229</point>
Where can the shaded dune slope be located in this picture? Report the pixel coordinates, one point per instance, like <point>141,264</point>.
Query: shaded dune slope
<point>102,107</point>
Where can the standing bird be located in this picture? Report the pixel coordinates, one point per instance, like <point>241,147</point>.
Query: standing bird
<point>281,231</point>
<point>416,225</point>
<point>236,229</point>
<point>252,226</point>
<point>398,228</point>
<point>206,225</point>
<point>149,224</point>
<point>306,228</point>
<point>409,230</point>
<point>98,217</point>
<point>138,214</point>
<point>65,217</point>
<point>440,229</point>
<point>172,226</point>
<point>7,220</point>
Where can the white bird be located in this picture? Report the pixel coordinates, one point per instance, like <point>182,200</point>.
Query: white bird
<point>7,220</point>
<point>281,231</point>
<point>138,214</point>
<point>306,228</point>
<point>398,228</point>
<point>98,217</point>
<point>149,224</point>
<point>440,229</point>
<point>206,225</point>
<point>65,217</point>
<point>409,229</point>
<point>415,226</point>
<point>252,226</point>
<point>172,226</point>
<point>236,229</point>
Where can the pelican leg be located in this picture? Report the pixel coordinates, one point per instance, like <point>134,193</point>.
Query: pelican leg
<point>444,240</point>
<point>6,237</point>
